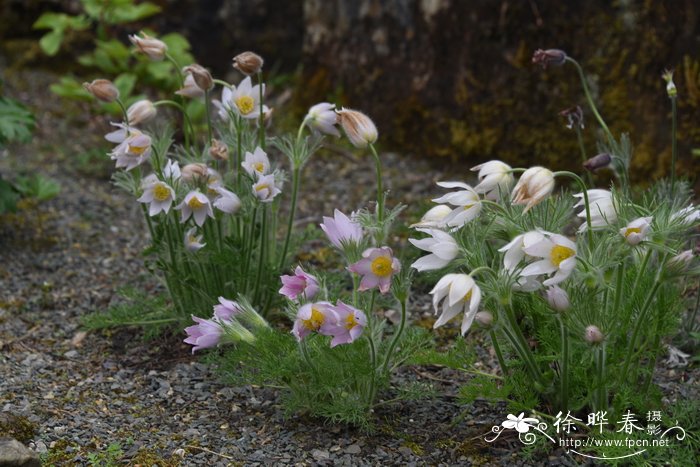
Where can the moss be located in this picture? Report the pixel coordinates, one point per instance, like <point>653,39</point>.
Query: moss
<point>147,456</point>
<point>18,427</point>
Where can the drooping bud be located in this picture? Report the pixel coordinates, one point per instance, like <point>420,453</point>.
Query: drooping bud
<point>557,298</point>
<point>574,117</point>
<point>593,335</point>
<point>140,112</point>
<point>484,318</point>
<point>681,261</point>
<point>218,150</point>
<point>600,161</point>
<point>248,63</point>
<point>549,57</point>
<point>103,89</point>
<point>154,48</point>
<point>190,89</point>
<point>194,171</point>
<point>670,85</point>
<point>358,127</point>
<point>201,76</point>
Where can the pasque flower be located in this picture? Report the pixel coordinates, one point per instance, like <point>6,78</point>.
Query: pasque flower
<point>574,117</point>
<point>171,171</point>
<point>205,334</point>
<point>310,318</point>
<point>243,99</point>
<point>322,118</point>
<point>495,177</point>
<point>226,309</point>
<point>102,89</point>
<point>256,163</point>
<point>159,195</point>
<point>301,284</point>
<point>442,247</point>
<point>458,294</point>
<point>466,200</point>
<point>515,250</point>
<point>200,75</point>
<point>358,127</point>
<point>557,298</point>
<point>265,189</point>
<point>602,208</point>
<point>193,242</point>
<point>134,150</point>
<point>558,255</point>
<point>195,205</point>
<point>434,217</point>
<point>218,150</point>
<point>534,185</point>
<point>376,267</point>
<point>545,58</point>
<point>686,216</point>
<point>637,230</point>
<point>346,324</point>
<point>226,201</point>
<point>141,112</point>
<point>248,63</point>
<point>190,89</point>
<point>154,48</point>
<point>341,230</point>
<point>593,335</point>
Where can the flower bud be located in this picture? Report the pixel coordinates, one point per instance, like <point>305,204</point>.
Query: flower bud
<point>534,185</point>
<point>218,150</point>
<point>548,57</point>
<point>154,48</point>
<point>190,89</point>
<point>595,163</point>
<point>248,63</point>
<point>681,261</point>
<point>484,318</point>
<point>201,76</point>
<point>593,335</point>
<point>557,298</point>
<point>194,171</point>
<point>670,85</point>
<point>574,117</point>
<point>636,231</point>
<point>103,89</point>
<point>358,127</point>
<point>140,112</point>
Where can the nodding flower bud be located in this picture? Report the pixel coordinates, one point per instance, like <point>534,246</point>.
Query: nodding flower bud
<point>154,48</point>
<point>549,57</point>
<point>218,150</point>
<point>248,63</point>
<point>193,171</point>
<point>574,117</point>
<point>141,111</point>
<point>358,127</point>
<point>670,85</point>
<point>595,163</point>
<point>201,76</point>
<point>484,318</point>
<point>557,298</point>
<point>681,261</point>
<point>593,335</point>
<point>103,89</point>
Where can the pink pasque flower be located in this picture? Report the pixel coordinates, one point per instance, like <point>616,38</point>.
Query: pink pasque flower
<point>377,266</point>
<point>346,325</point>
<point>300,284</point>
<point>205,334</point>
<point>311,317</point>
<point>226,309</point>
<point>341,230</point>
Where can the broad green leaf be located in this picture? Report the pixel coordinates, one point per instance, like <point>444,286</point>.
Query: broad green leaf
<point>69,88</point>
<point>125,83</point>
<point>51,42</point>
<point>61,21</point>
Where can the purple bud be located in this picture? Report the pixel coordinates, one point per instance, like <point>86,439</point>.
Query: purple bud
<point>594,335</point>
<point>548,57</point>
<point>484,318</point>
<point>598,162</point>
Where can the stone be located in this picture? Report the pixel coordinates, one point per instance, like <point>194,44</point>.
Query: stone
<point>15,454</point>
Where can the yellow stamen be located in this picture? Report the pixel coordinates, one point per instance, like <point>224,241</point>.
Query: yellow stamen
<point>161,192</point>
<point>560,253</point>
<point>467,296</point>
<point>259,167</point>
<point>350,321</point>
<point>631,230</point>
<point>381,266</point>
<point>195,203</point>
<point>262,187</point>
<point>315,321</point>
<point>245,104</point>
<point>136,150</point>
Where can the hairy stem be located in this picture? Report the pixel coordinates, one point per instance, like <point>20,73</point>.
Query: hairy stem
<point>589,98</point>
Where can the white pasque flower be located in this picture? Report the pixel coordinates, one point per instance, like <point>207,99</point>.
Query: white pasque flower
<point>534,185</point>
<point>190,88</point>
<point>193,242</point>
<point>243,99</point>
<point>133,150</point>
<point>515,250</point>
<point>466,200</point>
<point>197,205</point>
<point>557,298</point>
<point>602,209</point>
<point>265,189</point>
<point>434,217</point>
<point>359,128</point>
<point>227,201</point>
<point>172,170</point>
<point>558,255</point>
<point>140,112</point>
<point>686,216</point>
<point>495,178</point>
<point>637,230</point>
<point>458,293</point>
<point>160,197</point>
<point>256,163</point>
<point>322,118</point>
<point>442,247</point>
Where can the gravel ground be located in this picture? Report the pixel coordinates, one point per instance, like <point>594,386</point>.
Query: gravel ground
<point>83,392</point>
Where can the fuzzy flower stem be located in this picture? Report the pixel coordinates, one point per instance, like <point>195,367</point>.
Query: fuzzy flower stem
<point>589,98</point>
<point>373,359</point>
<point>261,253</point>
<point>178,69</point>
<point>641,319</point>
<point>186,117</point>
<point>499,354</point>
<point>642,270</point>
<point>587,204</point>
<point>397,336</point>
<point>221,82</point>
<point>584,157</point>
<point>380,190</point>
<point>296,179</point>
<point>261,125</point>
<point>207,112</point>
<point>564,383</point>
<point>618,287</point>
<point>239,149</point>
<point>674,150</point>
<point>602,392</point>
<point>125,114</point>
<point>516,337</point>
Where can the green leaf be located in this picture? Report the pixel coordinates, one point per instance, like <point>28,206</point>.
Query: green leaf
<point>51,42</point>
<point>69,88</point>
<point>125,83</point>
<point>119,11</point>
<point>16,122</point>
<point>38,187</point>
<point>8,197</point>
